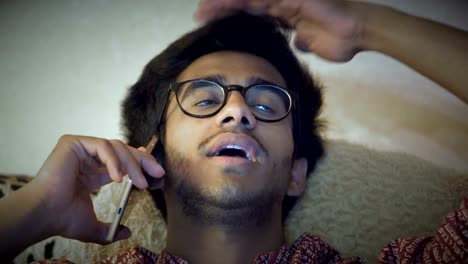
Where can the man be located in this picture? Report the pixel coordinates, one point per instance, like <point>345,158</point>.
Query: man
<point>232,128</point>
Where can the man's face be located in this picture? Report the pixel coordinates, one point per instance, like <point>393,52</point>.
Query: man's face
<point>193,144</point>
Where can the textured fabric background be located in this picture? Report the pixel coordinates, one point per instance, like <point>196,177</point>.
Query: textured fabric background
<point>357,200</point>
<point>360,199</point>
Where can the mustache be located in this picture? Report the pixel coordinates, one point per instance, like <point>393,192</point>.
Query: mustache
<point>207,140</point>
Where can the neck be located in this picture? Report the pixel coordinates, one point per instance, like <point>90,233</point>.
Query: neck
<point>211,243</point>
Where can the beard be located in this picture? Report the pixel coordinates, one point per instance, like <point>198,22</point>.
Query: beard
<point>228,206</point>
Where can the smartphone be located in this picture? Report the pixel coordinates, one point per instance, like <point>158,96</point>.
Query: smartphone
<point>152,184</point>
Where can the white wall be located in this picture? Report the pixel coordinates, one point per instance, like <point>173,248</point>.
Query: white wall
<point>65,67</point>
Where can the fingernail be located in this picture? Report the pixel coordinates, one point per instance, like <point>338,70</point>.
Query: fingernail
<point>119,176</point>
<point>302,46</point>
<point>160,171</point>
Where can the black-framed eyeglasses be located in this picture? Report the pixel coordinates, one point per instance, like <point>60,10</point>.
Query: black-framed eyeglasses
<point>202,98</point>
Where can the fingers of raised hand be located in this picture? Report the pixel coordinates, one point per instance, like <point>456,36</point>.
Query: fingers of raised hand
<point>133,161</point>
<point>117,157</point>
<point>100,149</point>
<point>149,163</point>
<point>211,9</point>
<point>129,163</point>
<point>287,10</point>
<point>146,162</point>
<point>306,34</point>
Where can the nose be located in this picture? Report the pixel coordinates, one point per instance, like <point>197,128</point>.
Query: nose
<point>236,113</point>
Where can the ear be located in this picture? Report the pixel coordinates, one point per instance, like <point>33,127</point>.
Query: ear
<point>298,177</point>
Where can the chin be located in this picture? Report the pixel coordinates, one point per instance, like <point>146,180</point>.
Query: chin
<point>228,205</point>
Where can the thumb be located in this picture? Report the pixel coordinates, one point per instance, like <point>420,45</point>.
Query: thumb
<point>304,37</point>
<point>100,237</point>
<point>122,233</point>
<point>302,45</point>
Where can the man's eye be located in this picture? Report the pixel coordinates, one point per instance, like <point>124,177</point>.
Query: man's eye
<point>207,102</point>
<point>263,108</point>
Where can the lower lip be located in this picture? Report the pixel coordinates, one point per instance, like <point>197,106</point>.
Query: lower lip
<point>232,160</point>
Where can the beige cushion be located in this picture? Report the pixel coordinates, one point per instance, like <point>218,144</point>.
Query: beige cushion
<point>357,200</point>
<point>360,199</point>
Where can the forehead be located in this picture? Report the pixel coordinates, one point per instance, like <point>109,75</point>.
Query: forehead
<point>235,67</point>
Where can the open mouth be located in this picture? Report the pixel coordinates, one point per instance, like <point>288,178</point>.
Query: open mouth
<point>233,145</point>
<point>233,151</point>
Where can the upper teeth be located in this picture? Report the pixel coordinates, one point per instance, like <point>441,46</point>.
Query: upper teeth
<point>247,154</point>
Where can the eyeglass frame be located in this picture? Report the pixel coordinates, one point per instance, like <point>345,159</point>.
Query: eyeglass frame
<point>175,86</point>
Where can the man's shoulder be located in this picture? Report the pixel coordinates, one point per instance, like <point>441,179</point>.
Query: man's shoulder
<point>141,255</point>
<point>312,249</point>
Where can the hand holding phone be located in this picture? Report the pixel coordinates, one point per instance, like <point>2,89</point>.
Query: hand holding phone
<point>154,184</point>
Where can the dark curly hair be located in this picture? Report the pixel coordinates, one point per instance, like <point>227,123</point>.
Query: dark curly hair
<point>263,36</point>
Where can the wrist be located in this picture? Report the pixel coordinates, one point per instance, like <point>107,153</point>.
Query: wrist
<point>378,27</point>
<point>44,209</point>
<point>25,219</point>
<point>39,209</point>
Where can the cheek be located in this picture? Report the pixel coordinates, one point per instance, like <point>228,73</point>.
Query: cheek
<point>177,129</point>
<point>184,133</point>
<point>181,136</point>
<point>279,138</point>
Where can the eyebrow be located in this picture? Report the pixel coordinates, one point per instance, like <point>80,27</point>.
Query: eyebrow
<point>256,81</point>
<point>218,78</point>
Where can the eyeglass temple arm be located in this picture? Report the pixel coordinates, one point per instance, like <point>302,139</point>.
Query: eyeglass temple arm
<point>297,121</point>
<point>158,131</point>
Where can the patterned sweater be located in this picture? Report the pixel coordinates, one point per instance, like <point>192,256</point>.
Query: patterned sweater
<point>449,245</point>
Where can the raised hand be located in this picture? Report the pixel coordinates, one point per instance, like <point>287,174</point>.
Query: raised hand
<point>332,29</point>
